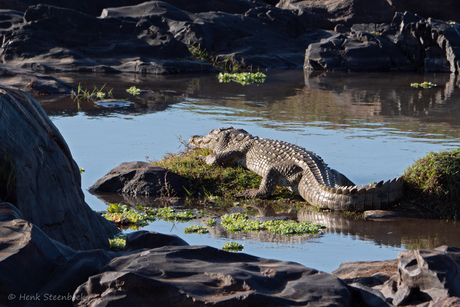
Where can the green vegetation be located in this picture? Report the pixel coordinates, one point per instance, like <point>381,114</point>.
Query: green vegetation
<point>244,78</point>
<point>226,64</point>
<point>170,214</point>
<point>95,94</point>
<point>125,215</point>
<point>211,222</point>
<point>196,229</point>
<point>432,185</point>
<point>133,91</point>
<point>241,222</point>
<point>118,242</point>
<point>217,184</point>
<point>232,247</point>
<point>423,85</point>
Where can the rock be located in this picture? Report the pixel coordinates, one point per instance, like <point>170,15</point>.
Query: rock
<point>410,42</point>
<point>57,39</point>
<point>198,275</point>
<point>424,275</point>
<point>346,12</point>
<point>379,215</point>
<point>358,51</point>
<point>366,296</point>
<point>46,186</point>
<point>140,179</point>
<point>27,259</point>
<point>152,38</point>
<point>368,273</point>
<point>149,239</point>
<point>9,212</point>
<point>349,12</point>
<point>445,302</point>
<point>33,82</point>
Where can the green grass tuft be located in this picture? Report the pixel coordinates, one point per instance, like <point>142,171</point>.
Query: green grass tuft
<point>432,185</point>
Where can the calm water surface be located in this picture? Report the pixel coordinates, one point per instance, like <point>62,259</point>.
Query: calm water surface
<point>368,126</point>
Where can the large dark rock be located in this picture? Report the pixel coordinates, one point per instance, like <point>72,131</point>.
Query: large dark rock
<point>27,257</point>
<point>43,181</point>
<point>95,8</point>
<point>141,179</point>
<point>198,275</point>
<point>346,12</point>
<point>349,12</point>
<point>152,37</point>
<point>410,42</point>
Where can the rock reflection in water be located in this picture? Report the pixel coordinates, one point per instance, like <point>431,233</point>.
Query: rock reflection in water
<point>409,233</point>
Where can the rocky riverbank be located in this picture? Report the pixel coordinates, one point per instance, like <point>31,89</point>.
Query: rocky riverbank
<point>177,36</point>
<point>54,248</point>
<point>54,253</point>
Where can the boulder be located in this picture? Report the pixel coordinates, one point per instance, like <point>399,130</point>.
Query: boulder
<point>410,42</point>
<point>27,257</point>
<point>95,8</point>
<point>198,275</point>
<point>41,179</point>
<point>343,12</point>
<point>149,239</point>
<point>424,275</point>
<point>153,38</point>
<point>368,273</point>
<point>349,12</point>
<point>141,179</point>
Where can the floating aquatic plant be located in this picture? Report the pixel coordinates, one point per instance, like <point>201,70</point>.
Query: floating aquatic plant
<point>232,247</point>
<point>133,91</point>
<point>125,215</point>
<point>170,214</point>
<point>243,78</point>
<point>241,222</point>
<point>196,229</point>
<point>423,85</point>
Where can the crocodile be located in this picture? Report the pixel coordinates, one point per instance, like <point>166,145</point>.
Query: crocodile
<point>304,172</point>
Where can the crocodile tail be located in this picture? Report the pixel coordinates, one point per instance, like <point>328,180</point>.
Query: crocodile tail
<point>378,196</point>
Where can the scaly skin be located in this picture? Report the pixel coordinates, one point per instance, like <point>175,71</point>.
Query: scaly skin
<point>284,164</point>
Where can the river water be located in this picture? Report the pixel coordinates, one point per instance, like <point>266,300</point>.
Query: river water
<point>370,127</point>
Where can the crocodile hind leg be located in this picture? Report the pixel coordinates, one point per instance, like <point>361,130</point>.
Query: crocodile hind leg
<point>281,175</point>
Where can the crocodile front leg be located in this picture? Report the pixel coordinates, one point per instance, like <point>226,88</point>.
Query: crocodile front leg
<point>220,158</point>
<point>281,175</point>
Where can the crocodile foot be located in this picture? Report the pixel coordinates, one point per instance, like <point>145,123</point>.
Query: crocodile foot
<point>250,193</point>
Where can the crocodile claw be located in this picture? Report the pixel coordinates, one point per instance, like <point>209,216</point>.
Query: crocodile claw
<point>250,193</point>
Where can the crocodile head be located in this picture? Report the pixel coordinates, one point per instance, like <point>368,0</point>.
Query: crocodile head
<point>217,137</point>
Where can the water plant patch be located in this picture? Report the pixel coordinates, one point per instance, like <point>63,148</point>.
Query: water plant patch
<point>423,85</point>
<point>232,247</point>
<point>243,78</point>
<point>125,215</point>
<point>241,222</point>
<point>196,229</point>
